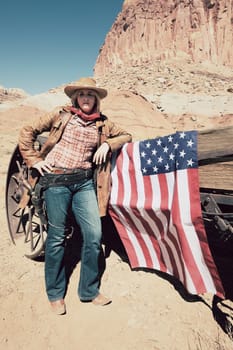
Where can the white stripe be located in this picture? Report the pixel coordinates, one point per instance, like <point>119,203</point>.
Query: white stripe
<point>126,202</point>
<point>156,206</point>
<point>115,184</point>
<point>191,236</point>
<point>140,205</point>
<point>184,275</point>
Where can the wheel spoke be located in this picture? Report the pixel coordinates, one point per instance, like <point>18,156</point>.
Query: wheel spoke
<point>25,226</point>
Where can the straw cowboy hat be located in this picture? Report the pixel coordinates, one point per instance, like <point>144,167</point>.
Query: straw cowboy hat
<point>85,83</point>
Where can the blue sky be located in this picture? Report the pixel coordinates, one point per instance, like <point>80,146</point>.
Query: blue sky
<point>46,43</point>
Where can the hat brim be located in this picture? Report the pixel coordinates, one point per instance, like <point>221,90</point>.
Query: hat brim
<point>71,89</point>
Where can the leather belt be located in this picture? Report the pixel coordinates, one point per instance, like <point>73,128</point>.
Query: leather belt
<point>61,178</point>
<point>60,171</point>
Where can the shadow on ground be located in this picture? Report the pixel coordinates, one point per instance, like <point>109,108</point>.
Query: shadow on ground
<point>223,257</point>
<point>221,250</point>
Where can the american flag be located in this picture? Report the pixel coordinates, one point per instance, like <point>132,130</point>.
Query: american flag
<point>155,206</point>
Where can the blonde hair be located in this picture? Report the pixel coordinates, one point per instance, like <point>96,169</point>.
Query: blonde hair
<point>74,100</point>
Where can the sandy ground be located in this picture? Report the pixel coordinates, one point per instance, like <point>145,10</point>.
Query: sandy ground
<point>149,310</point>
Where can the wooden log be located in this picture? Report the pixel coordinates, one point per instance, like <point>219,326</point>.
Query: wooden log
<point>215,156</point>
<point>217,176</point>
<point>215,143</point>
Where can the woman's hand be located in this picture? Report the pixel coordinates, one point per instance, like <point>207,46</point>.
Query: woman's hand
<point>42,167</point>
<point>101,154</point>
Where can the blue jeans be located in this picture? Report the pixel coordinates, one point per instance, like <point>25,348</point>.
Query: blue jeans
<point>81,198</point>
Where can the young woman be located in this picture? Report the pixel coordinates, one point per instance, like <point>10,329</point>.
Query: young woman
<point>74,163</point>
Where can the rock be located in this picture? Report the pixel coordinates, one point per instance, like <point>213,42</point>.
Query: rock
<point>11,94</point>
<point>157,30</point>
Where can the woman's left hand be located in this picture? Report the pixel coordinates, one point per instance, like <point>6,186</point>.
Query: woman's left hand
<point>101,154</point>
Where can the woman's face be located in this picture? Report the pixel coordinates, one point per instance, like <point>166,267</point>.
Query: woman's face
<point>86,100</point>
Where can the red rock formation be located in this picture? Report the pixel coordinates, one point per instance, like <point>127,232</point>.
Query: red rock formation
<point>11,94</point>
<point>149,30</point>
<point>134,113</point>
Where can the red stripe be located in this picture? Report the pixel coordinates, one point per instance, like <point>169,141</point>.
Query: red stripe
<point>164,208</point>
<point>121,228</point>
<point>186,250</point>
<point>157,221</point>
<point>175,246</point>
<point>119,165</point>
<point>197,221</point>
<point>121,190</point>
<point>132,255</point>
<point>132,205</point>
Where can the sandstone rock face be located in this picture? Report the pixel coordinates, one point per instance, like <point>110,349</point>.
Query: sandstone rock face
<point>135,114</point>
<point>154,30</point>
<point>11,94</point>
<point>176,54</point>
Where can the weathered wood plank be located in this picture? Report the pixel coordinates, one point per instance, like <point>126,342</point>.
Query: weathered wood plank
<point>213,144</point>
<point>218,176</point>
<point>215,151</point>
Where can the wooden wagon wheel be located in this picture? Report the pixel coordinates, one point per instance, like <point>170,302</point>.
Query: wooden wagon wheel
<point>25,226</point>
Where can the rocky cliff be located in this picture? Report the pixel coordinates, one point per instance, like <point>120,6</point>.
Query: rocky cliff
<point>176,54</point>
<point>11,94</point>
<point>155,30</point>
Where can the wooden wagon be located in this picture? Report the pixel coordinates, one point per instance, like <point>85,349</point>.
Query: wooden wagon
<point>215,155</point>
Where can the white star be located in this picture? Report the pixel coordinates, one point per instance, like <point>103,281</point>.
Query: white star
<point>143,154</point>
<point>149,161</point>
<point>176,145</point>
<point>155,169</point>
<point>182,135</point>
<point>190,143</point>
<point>171,156</point>
<point>144,170</point>
<point>159,142</point>
<point>182,154</point>
<point>148,145</point>
<point>154,152</point>
<point>170,138</point>
<point>160,160</point>
<point>165,149</point>
<point>190,162</point>
<point>167,167</point>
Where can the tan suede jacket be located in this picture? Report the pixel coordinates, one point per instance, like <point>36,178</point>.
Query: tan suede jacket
<point>55,123</point>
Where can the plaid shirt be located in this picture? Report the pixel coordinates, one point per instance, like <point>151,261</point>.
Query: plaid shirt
<point>76,147</point>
